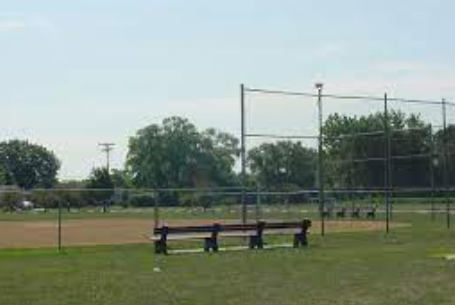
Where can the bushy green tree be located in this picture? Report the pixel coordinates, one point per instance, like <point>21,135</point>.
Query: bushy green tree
<point>350,140</point>
<point>283,165</point>
<point>176,154</point>
<point>100,188</point>
<point>10,200</point>
<point>121,179</point>
<point>2,176</point>
<point>28,165</point>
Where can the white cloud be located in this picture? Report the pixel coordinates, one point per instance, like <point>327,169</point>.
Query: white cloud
<point>13,22</point>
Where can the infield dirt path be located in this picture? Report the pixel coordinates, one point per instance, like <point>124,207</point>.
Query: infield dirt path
<point>37,234</point>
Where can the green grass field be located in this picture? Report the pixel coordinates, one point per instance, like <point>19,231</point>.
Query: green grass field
<point>341,268</point>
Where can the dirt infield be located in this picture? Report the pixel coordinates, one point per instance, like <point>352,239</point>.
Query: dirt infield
<point>38,234</point>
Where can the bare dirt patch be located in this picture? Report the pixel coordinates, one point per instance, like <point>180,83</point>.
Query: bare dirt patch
<point>37,234</point>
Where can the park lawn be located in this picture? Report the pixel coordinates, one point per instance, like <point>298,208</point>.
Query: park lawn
<point>349,268</point>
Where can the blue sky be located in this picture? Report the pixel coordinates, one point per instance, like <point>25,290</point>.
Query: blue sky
<point>75,73</point>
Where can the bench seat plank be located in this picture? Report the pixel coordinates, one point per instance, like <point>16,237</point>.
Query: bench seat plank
<point>197,236</point>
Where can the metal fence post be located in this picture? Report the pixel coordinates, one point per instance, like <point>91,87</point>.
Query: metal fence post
<point>432,185</point>
<point>59,224</point>
<point>319,87</point>
<point>156,210</point>
<point>258,203</point>
<point>387,169</point>
<point>243,152</point>
<point>445,162</point>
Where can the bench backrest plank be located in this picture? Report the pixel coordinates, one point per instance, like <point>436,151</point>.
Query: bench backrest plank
<point>216,228</point>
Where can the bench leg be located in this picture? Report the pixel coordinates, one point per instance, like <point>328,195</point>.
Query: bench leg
<point>256,242</point>
<point>211,244</point>
<point>300,239</point>
<point>207,245</point>
<point>260,243</point>
<point>160,247</point>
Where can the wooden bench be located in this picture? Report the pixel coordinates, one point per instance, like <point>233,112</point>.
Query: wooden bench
<point>211,233</point>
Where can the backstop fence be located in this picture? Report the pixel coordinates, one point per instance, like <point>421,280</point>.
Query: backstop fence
<point>387,148</point>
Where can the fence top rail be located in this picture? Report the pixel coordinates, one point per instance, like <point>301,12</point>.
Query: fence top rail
<point>251,190</point>
<point>133,190</point>
<point>277,136</point>
<point>347,97</point>
<point>342,136</point>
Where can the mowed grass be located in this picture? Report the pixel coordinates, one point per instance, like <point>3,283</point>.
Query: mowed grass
<point>349,268</point>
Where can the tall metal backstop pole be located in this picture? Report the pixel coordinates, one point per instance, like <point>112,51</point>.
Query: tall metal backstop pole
<point>432,184</point>
<point>59,232</point>
<point>445,162</point>
<point>243,153</point>
<point>387,164</point>
<point>156,209</point>
<point>319,87</point>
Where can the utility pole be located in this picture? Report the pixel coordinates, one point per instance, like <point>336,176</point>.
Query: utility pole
<point>107,148</point>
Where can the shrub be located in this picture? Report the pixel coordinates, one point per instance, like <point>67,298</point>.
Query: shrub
<point>142,200</point>
<point>9,201</point>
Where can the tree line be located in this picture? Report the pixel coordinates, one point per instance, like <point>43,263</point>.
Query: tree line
<point>176,154</point>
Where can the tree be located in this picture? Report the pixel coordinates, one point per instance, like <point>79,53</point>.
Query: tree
<point>355,148</point>
<point>44,199</point>
<point>28,165</point>
<point>450,150</point>
<point>216,159</point>
<point>100,179</point>
<point>101,187</point>
<point>283,165</point>
<point>10,200</point>
<point>2,176</point>
<point>121,179</point>
<point>71,193</point>
<point>177,154</point>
